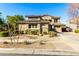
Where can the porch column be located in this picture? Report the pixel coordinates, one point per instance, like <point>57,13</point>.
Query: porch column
<point>39,28</point>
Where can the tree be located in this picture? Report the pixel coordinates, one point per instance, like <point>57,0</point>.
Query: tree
<point>12,20</point>
<point>12,23</point>
<point>3,25</point>
<point>1,20</point>
<point>73,12</point>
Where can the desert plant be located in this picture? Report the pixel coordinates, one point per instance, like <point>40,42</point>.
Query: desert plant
<point>45,33</point>
<point>32,31</point>
<point>42,42</point>
<point>28,31</point>
<point>5,42</point>
<point>27,42</point>
<point>52,33</point>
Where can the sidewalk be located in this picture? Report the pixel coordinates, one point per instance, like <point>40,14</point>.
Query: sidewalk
<point>61,48</point>
<point>31,52</point>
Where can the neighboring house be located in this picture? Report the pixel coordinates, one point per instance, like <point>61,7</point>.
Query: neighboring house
<point>44,23</point>
<point>72,26</point>
<point>73,23</point>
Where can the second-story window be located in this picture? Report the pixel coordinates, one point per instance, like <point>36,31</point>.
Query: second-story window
<point>34,18</point>
<point>50,20</point>
<point>55,20</point>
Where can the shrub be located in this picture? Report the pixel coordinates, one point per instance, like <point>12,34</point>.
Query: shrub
<point>27,42</point>
<point>4,33</point>
<point>5,42</point>
<point>22,32</point>
<point>45,33</point>
<point>76,31</point>
<point>52,33</point>
<point>42,42</point>
<point>32,31</point>
<point>28,31</point>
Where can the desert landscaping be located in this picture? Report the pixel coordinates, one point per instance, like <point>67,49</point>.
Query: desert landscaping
<point>40,33</point>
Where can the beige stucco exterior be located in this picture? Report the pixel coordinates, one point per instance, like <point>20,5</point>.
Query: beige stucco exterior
<point>45,28</point>
<point>47,17</point>
<point>23,27</point>
<point>46,20</point>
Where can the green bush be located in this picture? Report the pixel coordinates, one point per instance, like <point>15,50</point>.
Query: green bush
<point>4,33</point>
<point>52,33</point>
<point>76,31</point>
<point>28,31</point>
<point>32,31</point>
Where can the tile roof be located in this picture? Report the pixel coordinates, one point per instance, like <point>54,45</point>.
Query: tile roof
<point>33,21</point>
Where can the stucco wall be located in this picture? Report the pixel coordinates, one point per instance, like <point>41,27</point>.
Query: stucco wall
<point>45,28</point>
<point>33,18</point>
<point>47,17</point>
<point>23,27</point>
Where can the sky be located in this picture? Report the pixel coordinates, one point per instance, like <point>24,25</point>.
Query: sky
<point>54,9</point>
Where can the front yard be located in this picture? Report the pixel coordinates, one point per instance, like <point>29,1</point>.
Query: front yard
<point>30,46</point>
<point>28,41</point>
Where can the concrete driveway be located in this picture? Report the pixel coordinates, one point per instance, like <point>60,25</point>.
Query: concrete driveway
<point>70,39</point>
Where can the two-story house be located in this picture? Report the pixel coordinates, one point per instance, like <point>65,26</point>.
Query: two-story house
<point>43,23</point>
